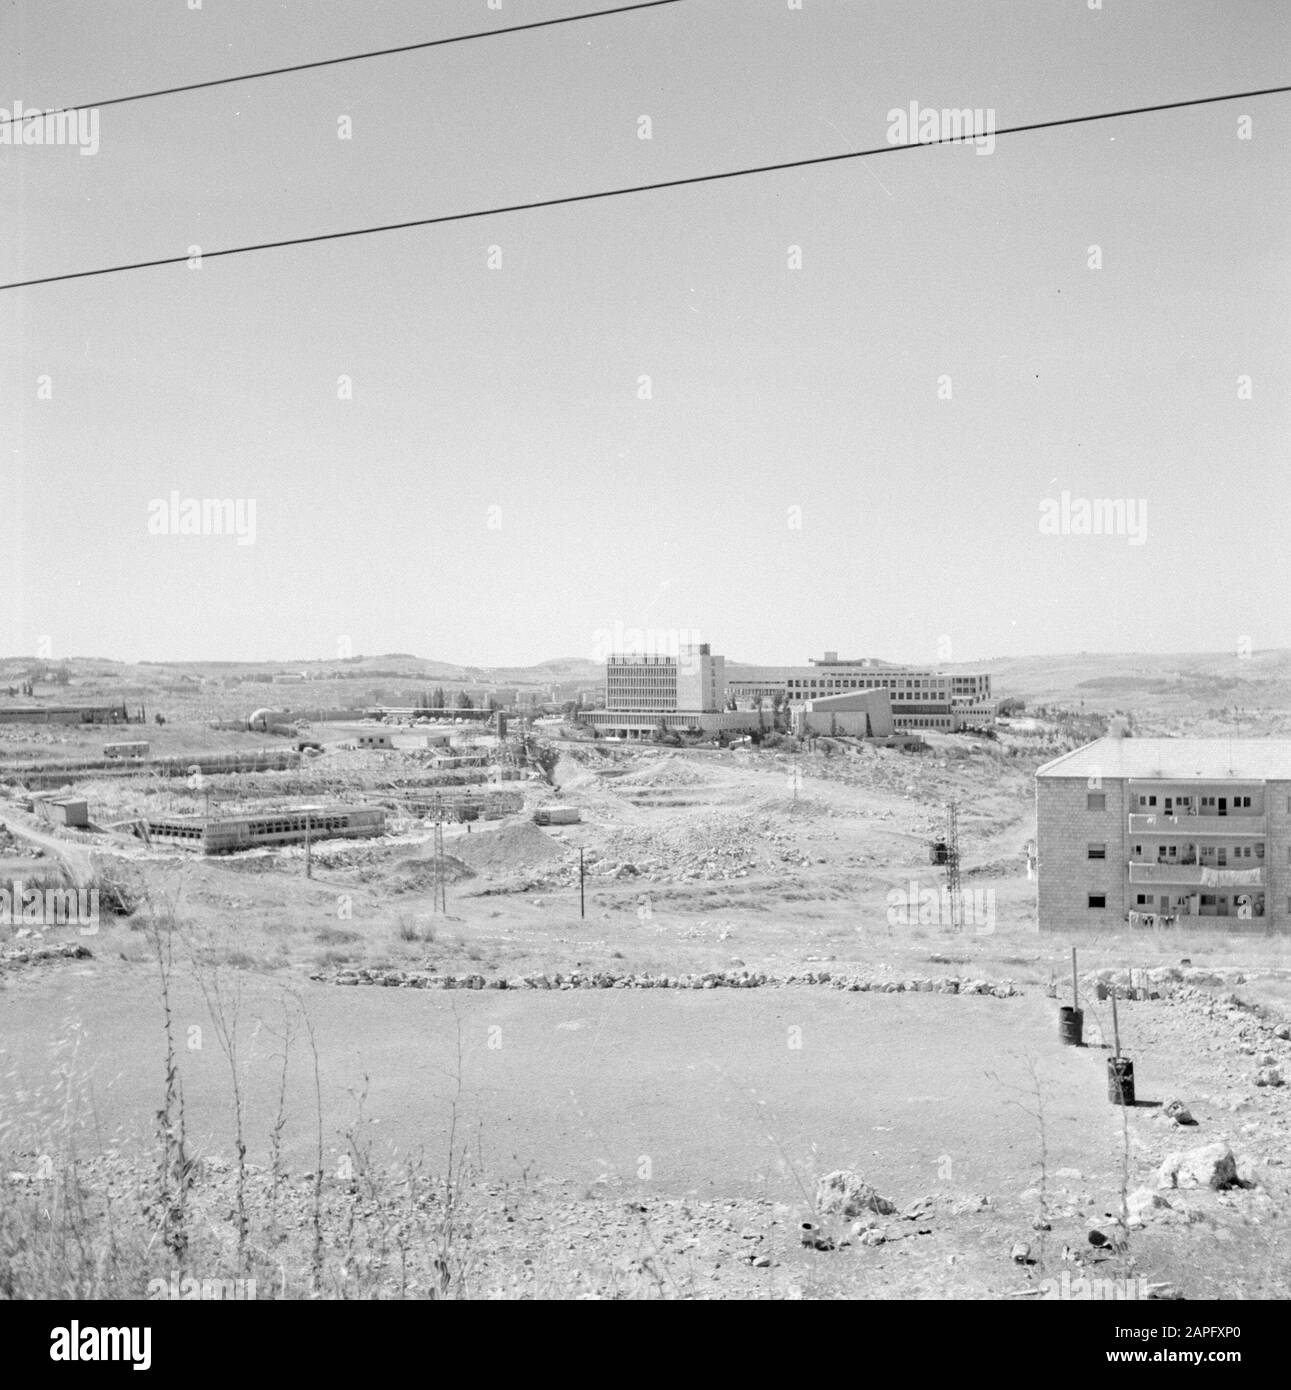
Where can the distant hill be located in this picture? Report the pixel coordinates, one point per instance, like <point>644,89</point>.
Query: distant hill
<point>1175,685</point>
<point>1183,683</point>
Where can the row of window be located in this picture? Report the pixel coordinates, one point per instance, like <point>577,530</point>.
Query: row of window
<point>1149,801</point>
<point>1096,900</point>
<point>905,687</point>
<point>1167,854</point>
<point>1097,801</point>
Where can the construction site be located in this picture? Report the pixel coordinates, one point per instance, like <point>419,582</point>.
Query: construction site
<point>570,874</point>
<point>580,716</point>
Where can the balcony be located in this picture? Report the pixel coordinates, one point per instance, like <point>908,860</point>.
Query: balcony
<point>1197,827</point>
<point>1165,873</point>
<point>1196,875</point>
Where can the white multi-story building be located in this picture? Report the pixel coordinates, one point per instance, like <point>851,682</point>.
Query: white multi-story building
<point>921,699</point>
<point>694,680</point>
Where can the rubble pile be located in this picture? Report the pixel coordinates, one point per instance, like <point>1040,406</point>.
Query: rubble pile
<point>703,847</point>
<point>665,772</point>
<point>711,979</point>
<point>36,952</point>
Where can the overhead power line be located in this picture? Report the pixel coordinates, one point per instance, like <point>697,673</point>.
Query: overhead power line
<point>347,58</point>
<point>641,188</point>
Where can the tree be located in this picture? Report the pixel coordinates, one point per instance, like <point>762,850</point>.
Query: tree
<point>464,700</point>
<point>438,701</point>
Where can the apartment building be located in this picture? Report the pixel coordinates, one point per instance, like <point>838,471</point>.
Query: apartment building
<point>1155,832</point>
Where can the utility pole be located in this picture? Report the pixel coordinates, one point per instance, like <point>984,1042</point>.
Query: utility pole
<point>309,863</point>
<point>439,892</point>
<point>952,868</point>
<point>582,896</point>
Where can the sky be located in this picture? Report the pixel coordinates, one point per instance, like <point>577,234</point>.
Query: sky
<point>827,408</point>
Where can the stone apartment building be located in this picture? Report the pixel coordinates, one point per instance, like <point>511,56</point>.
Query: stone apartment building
<point>1154,832</point>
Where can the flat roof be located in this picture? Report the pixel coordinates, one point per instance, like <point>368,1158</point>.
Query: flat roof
<point>267,813</point>
<point>850,700</point>
<point>1205,759</point>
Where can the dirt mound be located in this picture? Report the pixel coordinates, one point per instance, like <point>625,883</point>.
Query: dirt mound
<point>801,807</point>
<point>706,847</point>
<point>665,772</point>
<point>509,847</point>
<point>417,874</point>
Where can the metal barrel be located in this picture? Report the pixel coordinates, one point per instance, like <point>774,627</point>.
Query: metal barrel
<point>1071,1023</point>
<point>1120,1081</point>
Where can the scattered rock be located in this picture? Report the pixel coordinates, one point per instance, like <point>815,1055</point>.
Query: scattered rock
<point>845,1193</point>
<point>1212,1165</point>
<point>1143,1202</point>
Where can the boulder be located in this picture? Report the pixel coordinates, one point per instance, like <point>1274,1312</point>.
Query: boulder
<point>1177,1111</point>
<point>845,1193</point>
<point>1212,1165</point>
<point>1143,1202</point>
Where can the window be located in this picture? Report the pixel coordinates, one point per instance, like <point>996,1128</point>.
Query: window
<point>1096,801</point>
<point>1097,852</point>
<point>1141,900</point>
<point>1098,900</point>
<point>1138,850</point>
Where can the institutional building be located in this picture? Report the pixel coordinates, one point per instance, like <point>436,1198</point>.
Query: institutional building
<point>921,699</point>
<point>1154,832</point>
<point>853,714</point>
<point>694,679</point>
<point>692,692</point>
<point>227,834</point>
